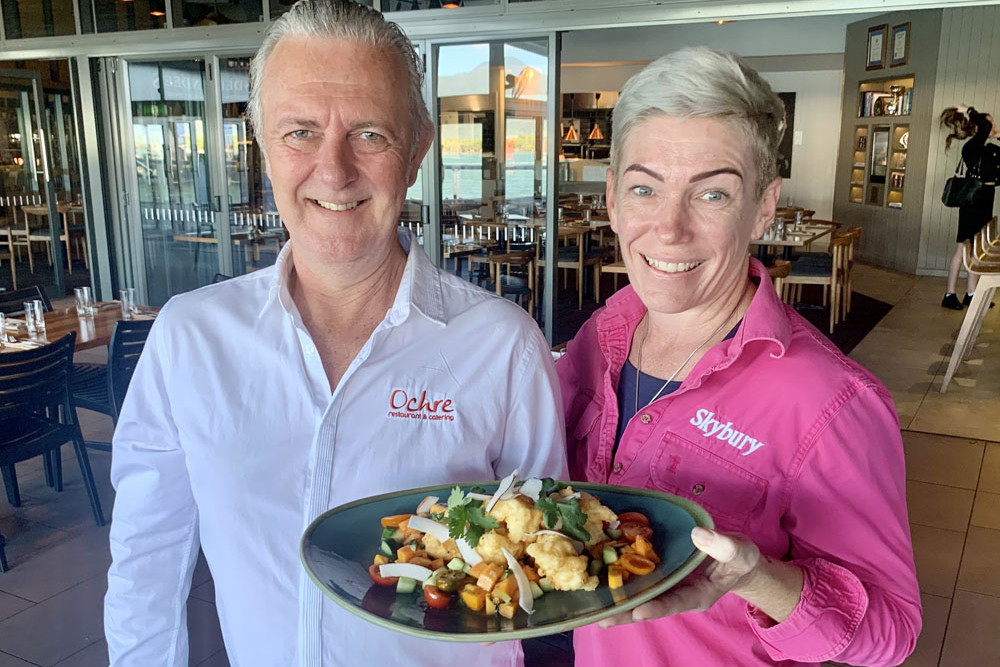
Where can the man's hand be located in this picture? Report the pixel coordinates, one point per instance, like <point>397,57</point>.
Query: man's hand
<point>736,566</point>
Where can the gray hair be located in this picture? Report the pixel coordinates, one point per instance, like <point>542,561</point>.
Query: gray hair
<point>345,20</point>
<point>698,82</point>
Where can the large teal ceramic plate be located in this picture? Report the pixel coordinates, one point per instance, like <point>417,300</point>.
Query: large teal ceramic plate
<point>339,546</point>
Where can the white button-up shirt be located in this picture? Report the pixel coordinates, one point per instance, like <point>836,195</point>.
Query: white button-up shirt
<point>231,439</point>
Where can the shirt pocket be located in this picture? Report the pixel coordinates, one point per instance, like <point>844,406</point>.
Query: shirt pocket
<point>729,493</point>
<point>583,442</point>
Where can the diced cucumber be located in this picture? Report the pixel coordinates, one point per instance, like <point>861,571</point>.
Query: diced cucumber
<point>387,532</point>
<point>613,533</point>
<point>406,585</point>
<point>456,564</point>
<point>398,536</point>
<point>595,567</point>
<point>536,590</point>
<point>609,554</point>
<point>500,595</point>
<point>545,584</point>
<point>388,548</point>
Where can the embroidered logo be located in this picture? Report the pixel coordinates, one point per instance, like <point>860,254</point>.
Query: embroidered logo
<point>404,406</point>
<point>710,427</point>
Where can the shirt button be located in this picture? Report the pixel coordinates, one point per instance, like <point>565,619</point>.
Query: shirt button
<point>645,418</point>
<point>310,350</point>
<point>617,467</point>
<point>698,489</point>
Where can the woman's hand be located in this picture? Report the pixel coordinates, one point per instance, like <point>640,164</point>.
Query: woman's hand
<point>737,566</point>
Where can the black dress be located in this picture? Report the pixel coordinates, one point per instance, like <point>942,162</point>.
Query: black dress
<point>982,161</point>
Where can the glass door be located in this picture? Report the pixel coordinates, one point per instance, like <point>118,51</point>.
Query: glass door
<point>29,217</point>
<point>493,108</point>
<point>177,207</point>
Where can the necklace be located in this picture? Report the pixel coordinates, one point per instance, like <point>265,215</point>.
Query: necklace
<point>645,332</point>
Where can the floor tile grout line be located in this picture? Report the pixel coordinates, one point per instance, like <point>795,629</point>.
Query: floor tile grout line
<point>68,657</point>
<point>27,662</point>
<point>65,590</point>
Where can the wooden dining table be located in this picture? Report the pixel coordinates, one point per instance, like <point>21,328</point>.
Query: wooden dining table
<point>807,233</point>
<point>91,332</point>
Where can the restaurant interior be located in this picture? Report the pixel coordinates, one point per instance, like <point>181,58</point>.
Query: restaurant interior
<point>127,167</point>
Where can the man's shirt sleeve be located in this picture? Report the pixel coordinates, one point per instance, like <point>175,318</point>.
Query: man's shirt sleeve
<point>154,529</point>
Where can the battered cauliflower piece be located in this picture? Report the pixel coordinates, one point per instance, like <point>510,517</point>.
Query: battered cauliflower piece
<point>436,549</point>
<point>520,516</point>
<point>556,559</point>
<point>491,543</point>
<point>597,514</point>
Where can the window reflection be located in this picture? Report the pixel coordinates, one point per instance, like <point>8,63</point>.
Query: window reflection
<point>414,5</point>
<point>279,7</point>
<point>117,16</point>
<point>38,18</point>
<point>202,13</point>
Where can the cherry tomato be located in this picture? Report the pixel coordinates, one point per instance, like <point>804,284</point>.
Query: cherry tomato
<point>436,598</point>
<point>636,564</point>
<point>631,530</point>
<point>633,517</point>
<point>379,579</point>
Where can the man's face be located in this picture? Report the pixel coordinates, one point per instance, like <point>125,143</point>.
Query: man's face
<point>338,134</point>
<point>685,208</point>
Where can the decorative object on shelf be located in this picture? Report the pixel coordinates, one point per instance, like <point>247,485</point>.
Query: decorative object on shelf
<point>876,46</point>
<point>894,105</point>
<point>904,140</point>
<point>900,53</point>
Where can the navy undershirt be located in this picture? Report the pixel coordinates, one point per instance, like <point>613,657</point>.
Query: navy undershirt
<point>648,386</point>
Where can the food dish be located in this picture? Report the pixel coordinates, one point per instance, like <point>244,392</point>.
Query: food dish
<point>337,549</point>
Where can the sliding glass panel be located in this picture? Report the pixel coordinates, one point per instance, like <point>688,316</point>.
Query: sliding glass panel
<point>171,163</point>
<point>201,13</point>
<point>492,100</point>
<point>255,229</point>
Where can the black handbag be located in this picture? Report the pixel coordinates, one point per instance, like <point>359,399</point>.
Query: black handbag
<point>960,190</point>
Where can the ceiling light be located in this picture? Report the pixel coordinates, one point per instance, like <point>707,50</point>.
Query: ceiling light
<point>595,133</point>
<point>571,134</point>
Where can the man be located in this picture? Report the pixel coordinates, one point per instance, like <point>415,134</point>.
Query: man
<point>263,401</point>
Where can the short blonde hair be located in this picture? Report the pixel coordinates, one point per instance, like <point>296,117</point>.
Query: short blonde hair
<point>698,82</point>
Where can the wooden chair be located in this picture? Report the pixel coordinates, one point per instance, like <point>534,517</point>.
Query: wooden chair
<point>989,280</point>
<point>12,302</point>
<point>778,272</point>
<point>576,258</point>
<point>518,282</point>
<point>829,275</point>
<point>848,285</point>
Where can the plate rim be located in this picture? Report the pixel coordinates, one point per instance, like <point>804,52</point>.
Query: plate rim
<point>698,513</point>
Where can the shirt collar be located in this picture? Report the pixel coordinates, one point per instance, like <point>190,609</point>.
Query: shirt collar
<point>420,286</point>
<point>765,319</point>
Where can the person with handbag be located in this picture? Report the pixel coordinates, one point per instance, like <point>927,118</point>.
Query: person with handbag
<point>982,162</point>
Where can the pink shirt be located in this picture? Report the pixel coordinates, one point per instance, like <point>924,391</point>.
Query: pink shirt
<point>780,437</point>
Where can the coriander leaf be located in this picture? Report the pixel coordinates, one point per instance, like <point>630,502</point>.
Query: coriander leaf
<point>457,498</point>
<point>550,513</point>
<point>573,520</point>
<point>549,485</point>
<point>457,518</point>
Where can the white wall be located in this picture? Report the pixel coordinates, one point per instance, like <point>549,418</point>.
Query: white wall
<point>817,118</point>
<point>801,56</point>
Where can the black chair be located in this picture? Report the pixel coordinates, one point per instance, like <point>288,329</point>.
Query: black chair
<point>220,277</point>
<point>37,416</point>
<point>12,302</point>
<point>102,388</point>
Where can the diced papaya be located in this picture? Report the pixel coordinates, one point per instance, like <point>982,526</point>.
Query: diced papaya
<point>395,520</point>
<point>405,554</point>
<point>478,569</point>
<point>437,564</point>
<point>422,561</point>
<point>381,559</point>
<point>531,573</point>
<point>437,508</point>
<point>474,597</point>
<point>506,587</point>
<point>489,577</point>
<point>507,609</point>
<point>491,606</point>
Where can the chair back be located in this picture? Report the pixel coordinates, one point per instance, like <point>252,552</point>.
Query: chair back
<point>12,302</point>
<point>33,380</point>
<point>127,343</point>
<point>220,277</point>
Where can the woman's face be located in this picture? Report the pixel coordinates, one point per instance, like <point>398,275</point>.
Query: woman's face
<point>685,209</point>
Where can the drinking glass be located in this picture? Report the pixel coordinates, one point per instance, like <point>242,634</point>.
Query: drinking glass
<point>84,302</point>
<point>3,328</point>
<point>129,305</point>
<point>34,317</point>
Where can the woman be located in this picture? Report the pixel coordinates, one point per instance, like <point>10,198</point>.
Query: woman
<point>982,162</point>
<point>697,380</point>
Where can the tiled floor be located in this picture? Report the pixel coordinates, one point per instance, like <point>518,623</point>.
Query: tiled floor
<point>50,600</point>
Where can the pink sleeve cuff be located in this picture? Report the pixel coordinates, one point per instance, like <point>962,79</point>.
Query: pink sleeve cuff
<point>832,605</point>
